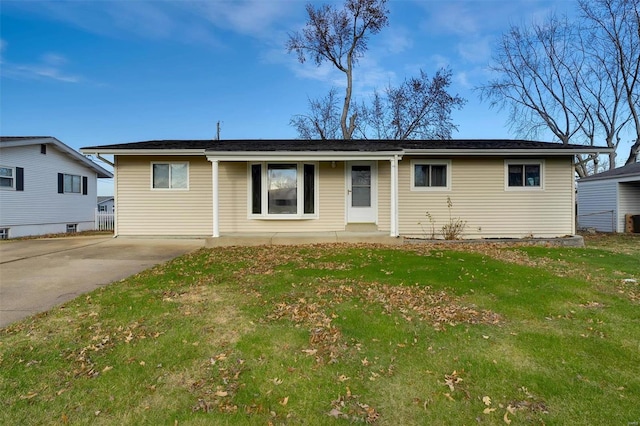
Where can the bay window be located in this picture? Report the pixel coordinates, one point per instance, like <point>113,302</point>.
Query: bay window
<point>282,190</point>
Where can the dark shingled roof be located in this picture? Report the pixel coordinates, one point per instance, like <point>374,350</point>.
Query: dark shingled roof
<point>632,169</point>
<point>20,138</point>
<point>247,145</point>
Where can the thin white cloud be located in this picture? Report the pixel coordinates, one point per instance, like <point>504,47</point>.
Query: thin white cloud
<point>396,40</point>
<point>185,21</point>
<point>49,66</point>
<point>44,71</point>
<point>249,17</point>
<point>476,50</point>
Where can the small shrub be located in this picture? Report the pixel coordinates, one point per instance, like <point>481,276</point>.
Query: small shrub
<point>433,226</point>
<point>454,229</point>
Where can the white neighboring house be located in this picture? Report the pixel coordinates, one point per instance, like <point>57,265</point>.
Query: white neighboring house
<point>105,204</point>
<point>604,199</point>
<point>46,187</point>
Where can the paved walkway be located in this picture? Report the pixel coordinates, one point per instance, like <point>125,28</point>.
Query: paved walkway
<point>36,275</point>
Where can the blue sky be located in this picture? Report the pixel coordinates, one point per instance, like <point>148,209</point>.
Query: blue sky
<point>102,72</point>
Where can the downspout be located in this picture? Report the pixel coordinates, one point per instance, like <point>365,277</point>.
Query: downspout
<point>105,160</point>
<point>215,196</point>
<point>394,231</point>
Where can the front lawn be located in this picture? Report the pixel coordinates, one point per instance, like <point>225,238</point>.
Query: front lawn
<point>339,334</point>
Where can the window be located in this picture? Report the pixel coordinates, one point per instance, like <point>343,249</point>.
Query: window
<point>170,175</point>
<point>72,228</point>
<point>282,190</point>
<point>43,148</point>
<point>102,208</point>
<point>7,177</point>
<point>431,175</point>
<point>524,174</point>
<point>72,184</point>
<point>4,233</point>
<point>12,178</point>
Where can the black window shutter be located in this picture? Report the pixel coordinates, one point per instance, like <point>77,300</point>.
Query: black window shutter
<point>84,185</point>
<point>19,179</point>
<point>60,183</point>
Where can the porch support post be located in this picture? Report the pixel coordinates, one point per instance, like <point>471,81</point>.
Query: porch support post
<point>215,194</point>
<point>394,231</point>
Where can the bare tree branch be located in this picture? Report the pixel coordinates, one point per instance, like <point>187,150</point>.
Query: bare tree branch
<point>339,36</point>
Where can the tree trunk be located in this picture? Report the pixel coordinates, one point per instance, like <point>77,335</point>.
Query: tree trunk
<point>633,153</point>
<point>347,131</point>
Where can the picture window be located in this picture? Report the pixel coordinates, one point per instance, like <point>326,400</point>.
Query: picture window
<point>283,190</point>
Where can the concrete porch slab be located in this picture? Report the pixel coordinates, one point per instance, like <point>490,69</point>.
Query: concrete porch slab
<point>301,238</point>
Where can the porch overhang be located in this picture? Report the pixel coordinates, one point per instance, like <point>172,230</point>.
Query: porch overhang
<point>240,156</point>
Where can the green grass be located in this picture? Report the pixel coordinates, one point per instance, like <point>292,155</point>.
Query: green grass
<point>342,334</point>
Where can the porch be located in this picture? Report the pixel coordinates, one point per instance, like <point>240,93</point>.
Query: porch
<point>298,238</point>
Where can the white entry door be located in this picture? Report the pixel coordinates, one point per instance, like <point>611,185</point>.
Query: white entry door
<point>362,191</point>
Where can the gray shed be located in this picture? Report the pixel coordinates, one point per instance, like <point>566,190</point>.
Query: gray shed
<point>606,198</point>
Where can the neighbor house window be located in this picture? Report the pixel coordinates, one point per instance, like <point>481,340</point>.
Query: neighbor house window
<point>524,174</point>
<point>72,184</point>
<point>4,233</point>
<point>282,190</point>
<point>7,177</point>
<point>430,175</point>
<point>72,228</point>
<point>170,175</point>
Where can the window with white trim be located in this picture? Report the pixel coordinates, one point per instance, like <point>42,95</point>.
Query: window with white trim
<point>72,228</point>
<point>4,233</point>
<point>170,175</point>
<point>283,190</point>
<point>7,177</point>
<point>430,175</point>
<point>72,184</point>
<point>526,174</point>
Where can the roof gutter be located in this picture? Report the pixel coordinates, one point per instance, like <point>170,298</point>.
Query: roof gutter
<point>509,152</point>
<point>96,151</point>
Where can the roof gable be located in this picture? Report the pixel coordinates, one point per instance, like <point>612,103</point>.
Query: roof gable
<point>15,141</point>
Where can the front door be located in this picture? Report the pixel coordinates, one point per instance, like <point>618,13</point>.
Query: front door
<point>361,192</point>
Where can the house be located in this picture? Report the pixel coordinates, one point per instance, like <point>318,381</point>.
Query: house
<point>604,199</point>
<point>45,187</point>
<point>502,189</point>
<point>105,204</point>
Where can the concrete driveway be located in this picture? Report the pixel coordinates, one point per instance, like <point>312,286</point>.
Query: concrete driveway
<point>36,275</point>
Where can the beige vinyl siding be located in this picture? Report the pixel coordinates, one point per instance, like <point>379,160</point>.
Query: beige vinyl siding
<point>142,210</point>
<point>234,198</point>
<point>384,195</point>
<point>479,197</point>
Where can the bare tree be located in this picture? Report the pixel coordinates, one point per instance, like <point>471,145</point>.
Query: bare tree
<point>323,120</point>
<point>577,79</point>
<point>420,108</point>
<point>615,26</point>
<point>339,36</point>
